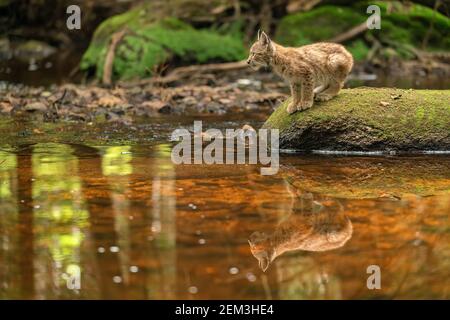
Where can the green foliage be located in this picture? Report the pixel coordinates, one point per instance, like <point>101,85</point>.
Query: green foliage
<point>411,24</point>
<point>402,27</point>
<point>4,3</point>
<point>322,24</point>
<point>316,25</point>
<point>358,49</point>
<point>234,28</point>
<point>150,43</point>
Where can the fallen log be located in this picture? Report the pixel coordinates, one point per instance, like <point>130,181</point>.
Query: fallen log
<point>368,119</point>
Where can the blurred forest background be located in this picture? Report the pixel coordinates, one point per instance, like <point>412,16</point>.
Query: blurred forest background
<point>126,39</point>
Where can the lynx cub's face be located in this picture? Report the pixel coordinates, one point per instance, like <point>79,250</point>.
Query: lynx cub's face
<point>261,52</point>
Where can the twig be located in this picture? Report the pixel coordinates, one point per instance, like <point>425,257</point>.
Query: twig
<point>237,9</point>
<point>376,45</point>
<point>189,71</point>
<point>59,100</point>
<point>265,16</point>
<point>304,5</point>
<point>349,34</point>
<point>109,61</point>
<point>426,38</point>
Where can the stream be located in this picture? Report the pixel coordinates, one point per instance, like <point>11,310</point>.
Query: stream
<point>118,220</point>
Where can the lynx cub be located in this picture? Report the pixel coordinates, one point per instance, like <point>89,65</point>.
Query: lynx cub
<point>316,71</point>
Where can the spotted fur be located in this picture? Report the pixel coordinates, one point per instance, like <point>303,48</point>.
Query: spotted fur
<point>314,72</point>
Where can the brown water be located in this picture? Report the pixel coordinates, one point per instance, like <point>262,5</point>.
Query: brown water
<point>135,226</point>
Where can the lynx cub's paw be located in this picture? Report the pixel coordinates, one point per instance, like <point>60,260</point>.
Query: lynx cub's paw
<point>291,108</point>
<point>303,105</point>
<point>323,97</point>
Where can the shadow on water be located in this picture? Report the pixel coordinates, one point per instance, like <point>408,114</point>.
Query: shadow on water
<point>123,221</point>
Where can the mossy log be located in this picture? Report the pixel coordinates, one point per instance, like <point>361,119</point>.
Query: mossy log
<point>369,119</point>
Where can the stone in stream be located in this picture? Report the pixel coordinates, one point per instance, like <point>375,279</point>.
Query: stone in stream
<point>356,120</point>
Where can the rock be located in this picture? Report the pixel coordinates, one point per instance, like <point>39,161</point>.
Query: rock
<point>249,84</point>
<point>46,94</point>
<point>157,106</point>
<point>36,106</point>
<point>248,127</point>
<point>5,107</point>
<point>76,117</point>
<point>5,49</point>
<point>33,50</point>
<point>355,121</point>
<point>189,101</point>
<point>110,101</point>
<point>370,177</point>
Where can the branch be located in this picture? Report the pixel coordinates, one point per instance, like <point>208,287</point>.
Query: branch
<point>353,32</point>
<point>109,61</point>
<point>189,71</point>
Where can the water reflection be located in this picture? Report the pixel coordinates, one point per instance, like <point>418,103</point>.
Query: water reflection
<point>60,219</point>
<point>132,225</point>
<point>8,220</point>
<point>312,225</point>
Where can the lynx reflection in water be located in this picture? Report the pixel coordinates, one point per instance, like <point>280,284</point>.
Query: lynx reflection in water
<point>314,224</point>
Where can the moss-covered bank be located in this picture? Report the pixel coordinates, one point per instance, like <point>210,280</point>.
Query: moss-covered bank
<point>403,28</point>
<point>369,119</point>
<point>151,41</point>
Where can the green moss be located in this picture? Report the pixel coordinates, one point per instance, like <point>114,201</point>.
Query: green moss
<point>98,46</point>
<point>4,3</point>
<point>403,27</point>
<point>410,24</point>
<point>316,25</point>
<point>150,43</point>
<point>359,50</point>
<point>321,24</point>
<point>418,115</point>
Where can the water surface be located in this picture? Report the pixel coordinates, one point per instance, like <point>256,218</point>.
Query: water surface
<point>135,226</point>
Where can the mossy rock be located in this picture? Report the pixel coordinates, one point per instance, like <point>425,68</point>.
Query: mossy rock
<point>402,26</point>
<point>151,41</point>
<point>368,119</point>
<point>354,177</point>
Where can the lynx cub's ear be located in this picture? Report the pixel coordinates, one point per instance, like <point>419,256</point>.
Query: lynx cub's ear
<point>264,38</point>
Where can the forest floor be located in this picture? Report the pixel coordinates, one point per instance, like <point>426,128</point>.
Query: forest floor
<point>192,92</point>
<point>200,89</point>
